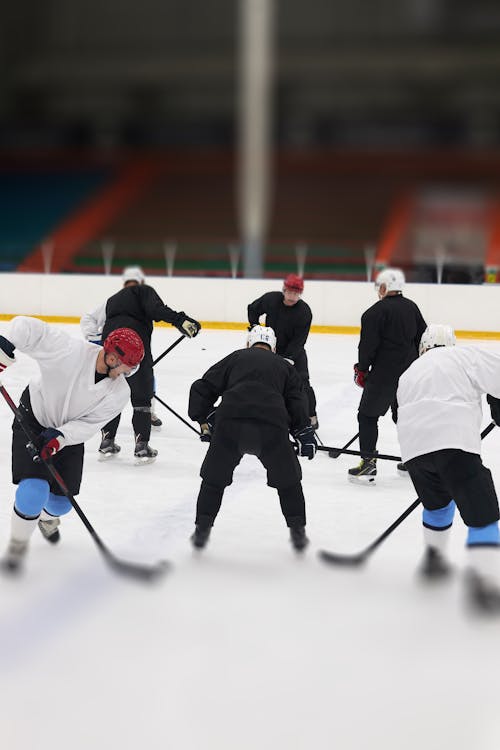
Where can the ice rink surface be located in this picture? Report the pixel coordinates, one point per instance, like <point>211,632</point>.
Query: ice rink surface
<point>245,646</point>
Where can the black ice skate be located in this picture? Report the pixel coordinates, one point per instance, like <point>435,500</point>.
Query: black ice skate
<point>49,529</point>
<point>155,420</point>
<point>434,567</point>
<point>402,470</point>
<point>200,537</point>
<point>143,453</point>
<point>483,595</point>
<point>108,448</point>
<point>13,560</point>
<point>298,538</point>
<point>365,472</point>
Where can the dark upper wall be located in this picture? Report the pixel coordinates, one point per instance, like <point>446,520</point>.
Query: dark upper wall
<point>364,72</point>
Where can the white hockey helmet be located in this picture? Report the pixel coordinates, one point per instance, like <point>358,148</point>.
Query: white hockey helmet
<point>261,335</point>
<point>393,278</point>
<point>133,273</point>
<point>436,334</point>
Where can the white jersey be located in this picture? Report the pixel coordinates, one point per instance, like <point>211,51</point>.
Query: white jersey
<point>65,395</point>
<point>92,323</point>
<point>439,400</point>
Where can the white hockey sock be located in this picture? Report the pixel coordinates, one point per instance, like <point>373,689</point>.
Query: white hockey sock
<point>21,529</point>
<point>438,539</point>
<point>485,561</point>
<point>44,516</point>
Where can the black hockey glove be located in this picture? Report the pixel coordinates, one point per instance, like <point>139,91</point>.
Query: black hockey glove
<point>6,353</point>
<point>494,408</point>
<point>307,443</point>
<point>188,326</point>
<point>207,428</point>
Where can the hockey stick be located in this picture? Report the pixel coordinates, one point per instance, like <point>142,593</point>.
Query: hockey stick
<point>365,454</point>
<point>177,341</point>
<point>177,415</point>
<point>335,452</point>
<point>358,559</point>
<point>135,570</point>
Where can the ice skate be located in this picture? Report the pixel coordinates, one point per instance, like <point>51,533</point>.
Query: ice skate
<point>143,453</point>
<point>434,566</point>
<point>13,559</point>
<point>483,594</point>
<point>49,529</point>
<point>155,421</point>
<point>200,536</point>
<point>402,470</point>
<point>108,448</point>
<point>365,472</point>
<point>298,538</point>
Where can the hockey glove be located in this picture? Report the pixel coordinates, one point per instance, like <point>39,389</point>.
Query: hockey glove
<point>6,353</point>
<point>251,325</point>
<point>48,442</point>
<point>207,428</point>
<point>494,408</point>
<point>188,326</point>
<point>360,376</point>
<point>307,443</point>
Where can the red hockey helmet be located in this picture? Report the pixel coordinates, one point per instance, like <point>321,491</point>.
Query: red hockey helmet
<point>126,344</point>
<point>294,283</point>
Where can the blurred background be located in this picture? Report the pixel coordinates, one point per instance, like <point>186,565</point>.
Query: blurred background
<point>251,137</point>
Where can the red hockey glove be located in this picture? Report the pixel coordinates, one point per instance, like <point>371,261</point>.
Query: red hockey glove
<point>48,442</point>
<point>6,353</point>
<point>360,376</point>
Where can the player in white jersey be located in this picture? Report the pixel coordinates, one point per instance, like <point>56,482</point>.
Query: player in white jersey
<point>80,387</point>
<point>439,422</point>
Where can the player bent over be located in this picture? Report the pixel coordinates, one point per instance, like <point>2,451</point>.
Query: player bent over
<point>439,421</point>
<point>80,387</point>
<point>262,401</point>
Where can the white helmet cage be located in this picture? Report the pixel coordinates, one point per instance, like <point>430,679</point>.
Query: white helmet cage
<point>133,273</point>
<point>436,334</point>
<point>262,335</point>
<point>393,278</point>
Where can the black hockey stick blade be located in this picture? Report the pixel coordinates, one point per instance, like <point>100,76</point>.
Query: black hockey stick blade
<point>332,558</point>
<point>139,571</point>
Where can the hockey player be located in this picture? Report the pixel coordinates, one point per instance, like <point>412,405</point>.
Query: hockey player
<point>390,334</point>
<point>80,388</point>
<point>136,306</point>
<point>290,318</point>
<point>262,400</point>
<point>92,323</point>
<point>439,422</point>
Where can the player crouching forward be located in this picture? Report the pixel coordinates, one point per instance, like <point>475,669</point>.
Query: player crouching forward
<point>262,400</point>
<point>439,420</point>
<point>80,387</point>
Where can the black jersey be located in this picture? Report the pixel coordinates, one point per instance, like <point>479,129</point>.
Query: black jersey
<point>391,330</point>
<point>291,324</point>
<point>254,384</point>
<point>136,307</point>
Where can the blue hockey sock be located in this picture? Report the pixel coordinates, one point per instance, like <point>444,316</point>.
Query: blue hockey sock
<point>57,505</point>
<point>483,535</point>
<point>439,519</point>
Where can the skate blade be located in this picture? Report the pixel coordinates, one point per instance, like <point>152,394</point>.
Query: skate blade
<point>106,456</point>
<point>403,473</point>
<point>145,460</point>
<point>156,428</point>
<point>362,480</point>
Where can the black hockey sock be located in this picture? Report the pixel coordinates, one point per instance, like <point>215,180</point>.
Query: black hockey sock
<point>109,430</point>
<point>141,422</point>
<point>208,504</point>
<point>368,433</point>
<point>293,504</point>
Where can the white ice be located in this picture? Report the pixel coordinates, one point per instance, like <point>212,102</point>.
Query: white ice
<point>245,646</point>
